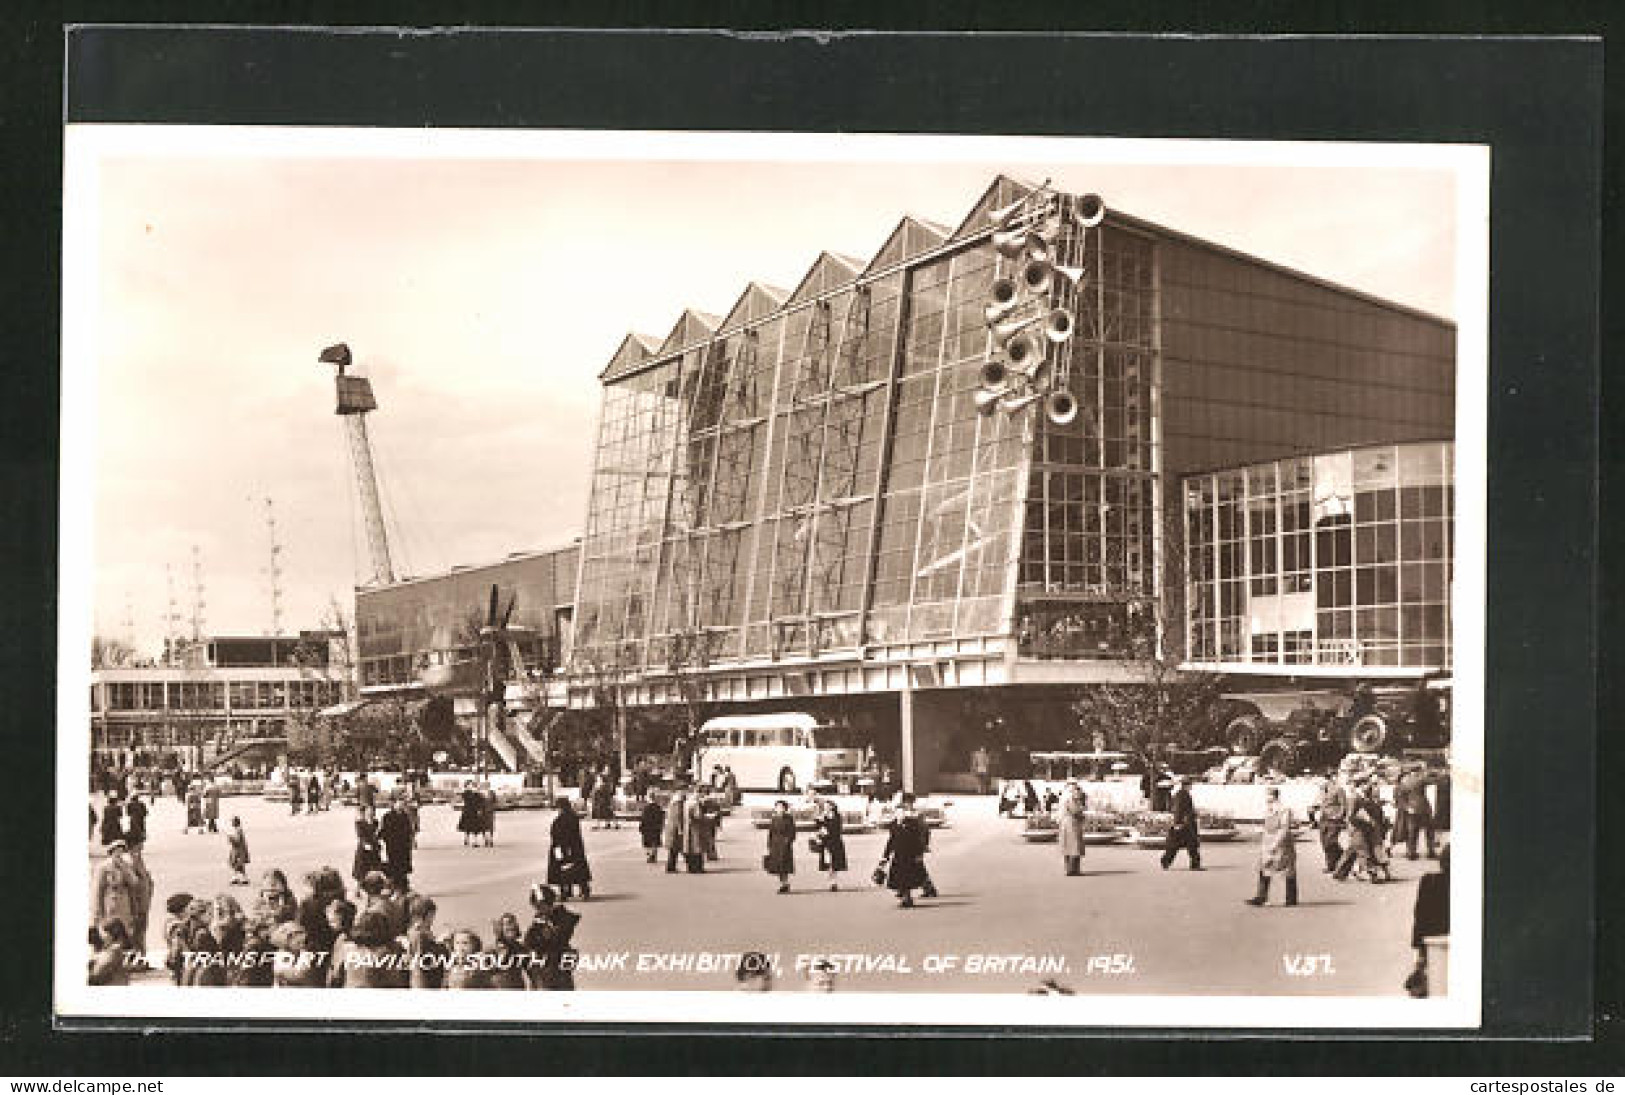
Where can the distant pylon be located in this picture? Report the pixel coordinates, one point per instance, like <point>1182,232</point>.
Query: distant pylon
<point>198,603</point>
<point>127,624</point>
<point>172,619</point>
<point>275,569</point>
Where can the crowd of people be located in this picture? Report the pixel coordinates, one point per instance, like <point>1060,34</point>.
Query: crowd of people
<point>381,934</point>
<point>377,931</point>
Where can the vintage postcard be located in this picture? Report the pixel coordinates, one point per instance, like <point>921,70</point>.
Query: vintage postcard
<point>962,581</point>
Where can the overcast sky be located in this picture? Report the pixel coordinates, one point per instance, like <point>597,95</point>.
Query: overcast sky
<point>484,295</point>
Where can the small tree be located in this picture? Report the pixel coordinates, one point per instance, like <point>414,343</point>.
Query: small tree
<point>1164,705</point>
<point>107,653</point>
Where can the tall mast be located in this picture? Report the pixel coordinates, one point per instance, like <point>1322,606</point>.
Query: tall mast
<point>274,569</point>
<point>198,603</point>
<point>354,400</point>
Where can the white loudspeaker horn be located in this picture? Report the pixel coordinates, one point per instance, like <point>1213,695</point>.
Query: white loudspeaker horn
<point>993,372</point>
<point>1010,242</point>
<point>1014,403</point>
<point>1073,274</point>
<point>988,398</point>
<point>1006,213</point>
<point>1025,352</point>
<point>1061,407</point>
<point>1004,332</point>
<point>1058,326</point>
<point>1036,374</point>
<point>1037,276</point>
<point>1089,210</point>
<point>1006,296</point>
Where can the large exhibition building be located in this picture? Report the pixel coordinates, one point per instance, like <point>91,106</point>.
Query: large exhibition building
<point>992,465</point>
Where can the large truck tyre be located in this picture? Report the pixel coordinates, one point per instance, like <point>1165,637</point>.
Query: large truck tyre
<point>1368,734</point>
<point>1245,734</point>
<point>1278,755</point>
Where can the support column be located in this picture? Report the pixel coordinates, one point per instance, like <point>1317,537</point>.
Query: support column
<point>906,736</point>
<point>928,720</point>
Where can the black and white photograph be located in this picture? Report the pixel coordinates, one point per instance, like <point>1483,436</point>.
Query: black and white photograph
<point>923,579</point>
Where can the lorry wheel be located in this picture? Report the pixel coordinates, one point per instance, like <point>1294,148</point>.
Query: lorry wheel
<point>1244,733</point>
<point>787,782</point>
<point>1368,734</point>
<point>1278,755</point>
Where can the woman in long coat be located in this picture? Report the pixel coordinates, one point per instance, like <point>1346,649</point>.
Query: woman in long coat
<point>567,858</point>
<point>367,858</point>
<point>1277,854</point>
<point>781,845</point>
<point>831,842</point>
<point>1072,829</point>
<point>603,803</point>
<point>905,854</point>
<point>469,821</point>
<point>696,833</point>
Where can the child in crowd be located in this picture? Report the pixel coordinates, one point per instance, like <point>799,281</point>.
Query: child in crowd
<point>297,966</point>
<point>110,964</point>
<point>341,921</point>
<point>463,971</point>
<point>175,924</point>
<point>426,955</point>
<point>508,954</point>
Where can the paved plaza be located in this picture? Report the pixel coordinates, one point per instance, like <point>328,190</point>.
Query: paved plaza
<point>1007,917</point>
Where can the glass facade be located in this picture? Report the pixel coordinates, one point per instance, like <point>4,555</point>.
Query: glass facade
<point>1339,559</point>
<point>817,478</point>
<point>812,475</point>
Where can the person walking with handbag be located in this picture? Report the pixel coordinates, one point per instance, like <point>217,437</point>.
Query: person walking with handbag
<point>903,861</point>
<point>781,845</point>
<point>567,859</point>
<point>829,842</point>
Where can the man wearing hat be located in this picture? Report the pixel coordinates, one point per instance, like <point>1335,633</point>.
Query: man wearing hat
<point>1415,813</point>
<point>1183,833</point>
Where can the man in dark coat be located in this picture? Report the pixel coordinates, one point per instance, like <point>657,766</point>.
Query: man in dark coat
<point>136,830</point>
<point>567,858</point>
<point>650,824</point>
<point>1183,833</point>
<point>904,856</point>
<point>112,822</point>
<point>364,790</point>
<point>395,833</point>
